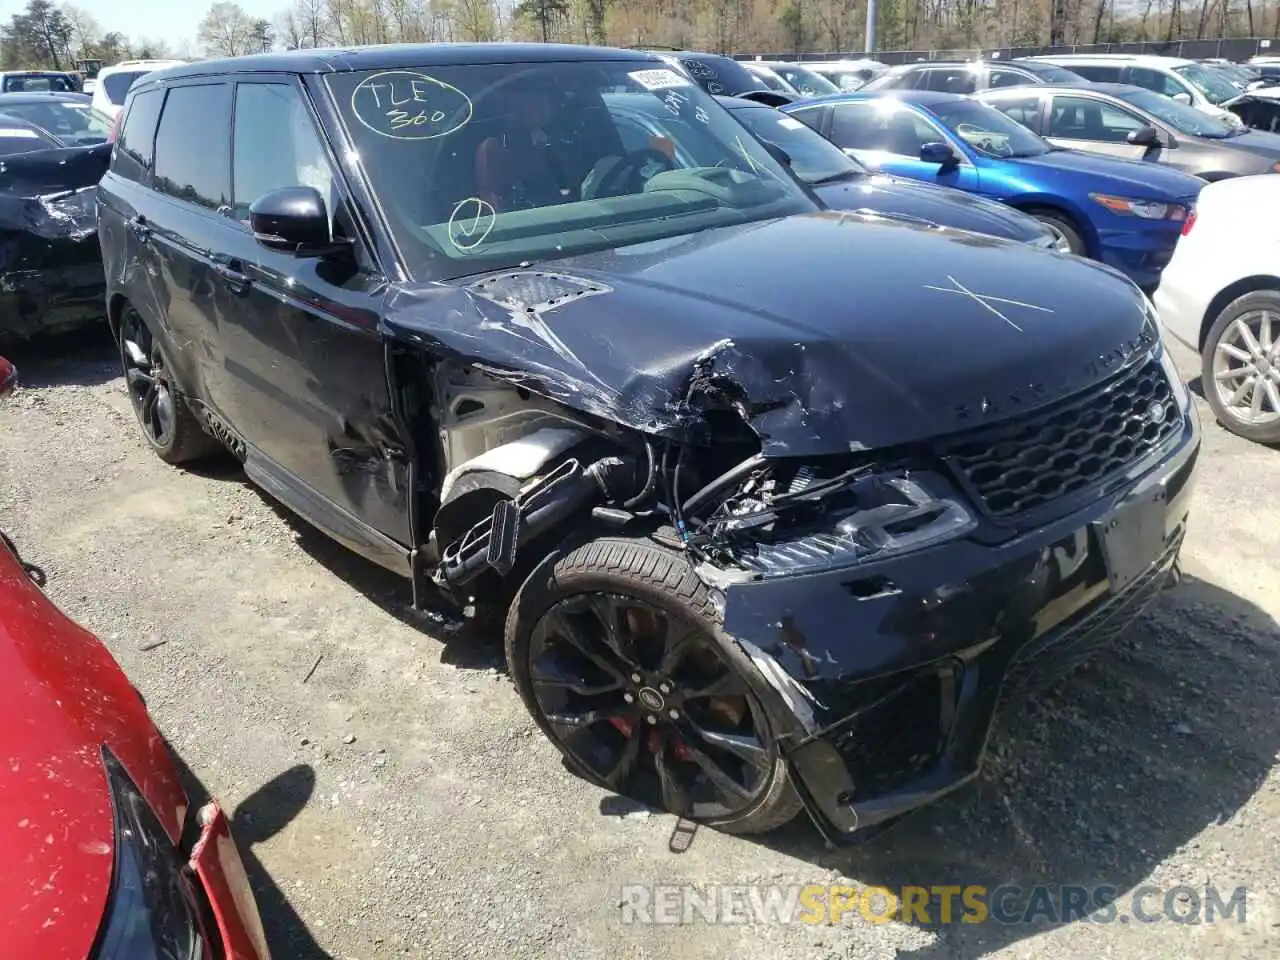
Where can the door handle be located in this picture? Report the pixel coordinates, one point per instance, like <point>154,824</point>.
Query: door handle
<point>140,229</point>
<point>229,269</point>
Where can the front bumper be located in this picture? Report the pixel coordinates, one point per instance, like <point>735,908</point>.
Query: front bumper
<point>1140,254</point>
<point>216,863</point>
<point>884,679</point>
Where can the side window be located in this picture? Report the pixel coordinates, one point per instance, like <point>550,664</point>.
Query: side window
<point>191,160</point>
<point>1155,80</point>
<point>906,80</point>
<point>275,145</point>
<point>1007,78</point>
<point>1025,110</point>
<point>951,80</point>
<point>811,116</point>
<point>862,127</point>
<point>1097,72</point>
<point>136,148</point>
<point>1079,118</point>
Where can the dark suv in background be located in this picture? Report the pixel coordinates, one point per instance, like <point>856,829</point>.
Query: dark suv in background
<point>776,501</point>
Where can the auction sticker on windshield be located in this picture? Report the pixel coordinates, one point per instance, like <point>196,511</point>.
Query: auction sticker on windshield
<point>658,79</point>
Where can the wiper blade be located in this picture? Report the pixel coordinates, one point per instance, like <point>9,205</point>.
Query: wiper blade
<point>837,177</point>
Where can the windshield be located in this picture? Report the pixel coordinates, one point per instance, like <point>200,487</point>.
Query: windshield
<point>987,130</point>
<point>1215,87</point>
<point>484,167</point>
<point>72,123</point>
<point>721,76</point>
<point>807,82</point>
<point>1181,117</point>
<point>843,79</point>
<point>27,83</point>
<point>770,79</point>
<point>117,85</point>
<point>814,158</point>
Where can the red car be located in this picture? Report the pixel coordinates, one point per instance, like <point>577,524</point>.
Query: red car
<point>94,821</point>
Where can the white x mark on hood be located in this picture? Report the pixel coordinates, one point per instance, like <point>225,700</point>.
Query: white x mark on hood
<point>986,300</point>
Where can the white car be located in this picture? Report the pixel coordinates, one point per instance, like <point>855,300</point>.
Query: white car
<point>114,82</point>
<point>1220,295</point>
<point>1186,81</point>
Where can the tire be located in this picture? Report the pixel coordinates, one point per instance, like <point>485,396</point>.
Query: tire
<point>1214,362</point>
<point>624,570</point>
<point>166,422</point>
<point>1063,226</point>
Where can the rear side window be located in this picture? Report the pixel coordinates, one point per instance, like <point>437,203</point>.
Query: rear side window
<point>1156,80</point>
<point>192,160</point>
<point>116,85</point>
<point>951,80</point>
<point>1007,78</point>
<point>136,149</point>
<point>275,145</point>
<point>1026,110</point>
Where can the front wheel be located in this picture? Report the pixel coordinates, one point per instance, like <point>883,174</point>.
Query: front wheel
<point>1240,366</point>
<point>614,647</point>
<point>1063,229</point>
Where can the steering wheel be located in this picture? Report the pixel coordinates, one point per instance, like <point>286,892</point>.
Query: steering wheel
<point>992,144</point>
<point>625,175</point>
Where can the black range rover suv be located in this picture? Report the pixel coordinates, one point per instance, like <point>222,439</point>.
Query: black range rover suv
<point>775,501</point>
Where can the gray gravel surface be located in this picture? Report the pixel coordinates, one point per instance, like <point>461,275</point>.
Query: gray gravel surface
<point>394,799</point>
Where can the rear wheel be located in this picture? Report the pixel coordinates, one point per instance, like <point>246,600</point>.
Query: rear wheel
<point>1240,366</point>
<point>614,648</point>
<point>168,425</point>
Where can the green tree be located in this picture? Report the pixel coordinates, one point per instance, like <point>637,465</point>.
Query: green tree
<point>544,13</point>
<point>38,37</point>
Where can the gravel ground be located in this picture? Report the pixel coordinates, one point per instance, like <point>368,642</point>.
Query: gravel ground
<point>396,800</point>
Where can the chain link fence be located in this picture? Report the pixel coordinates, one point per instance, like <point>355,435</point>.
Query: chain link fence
<point>1230,49</point>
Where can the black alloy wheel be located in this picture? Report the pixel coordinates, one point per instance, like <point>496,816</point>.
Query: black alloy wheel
<point>168,425</point>
<point>641,699</point>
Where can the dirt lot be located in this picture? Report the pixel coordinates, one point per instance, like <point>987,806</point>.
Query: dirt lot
<point>399,802</point>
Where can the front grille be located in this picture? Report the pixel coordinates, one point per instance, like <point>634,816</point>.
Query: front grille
<point>1015,467</point>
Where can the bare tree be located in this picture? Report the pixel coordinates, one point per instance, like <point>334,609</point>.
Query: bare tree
<point>227,31</point>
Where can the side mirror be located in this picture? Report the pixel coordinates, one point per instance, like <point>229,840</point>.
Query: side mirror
<point>939,153</point>
<point>1182,97</point>
<point>8,378</point>
<point>293,220</point>
<point>1145,137</point>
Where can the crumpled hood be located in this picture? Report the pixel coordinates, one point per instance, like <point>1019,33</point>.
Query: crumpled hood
<point>830,332</point>
<point>64,697</point>
<point>1131,178</point>
<point>891,196</point>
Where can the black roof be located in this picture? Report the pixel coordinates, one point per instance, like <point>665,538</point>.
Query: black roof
<point>18,97</point>
<point>399,55</point>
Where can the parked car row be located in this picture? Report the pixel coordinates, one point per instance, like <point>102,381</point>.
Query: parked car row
<point>785,437</point>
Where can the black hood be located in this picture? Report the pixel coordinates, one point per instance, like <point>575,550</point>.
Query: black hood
<point>890,196</point>
<point>830,332</point>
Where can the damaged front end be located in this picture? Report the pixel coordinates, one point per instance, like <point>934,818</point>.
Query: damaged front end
<point>880,547</point>
<point>51,276</point>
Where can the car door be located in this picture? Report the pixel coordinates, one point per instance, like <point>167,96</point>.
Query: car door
<point>1080,122</point>
<point>887,135</point>
<point>305,369</point>
<point>182,218</point>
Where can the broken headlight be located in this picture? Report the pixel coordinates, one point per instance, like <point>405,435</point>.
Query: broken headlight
<point>836,521</point>
<point>152,912</point>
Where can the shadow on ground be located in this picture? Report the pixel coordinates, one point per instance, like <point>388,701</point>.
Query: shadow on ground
<point>1098,779</point>
<point>258,818</point>
<point>85,357</point>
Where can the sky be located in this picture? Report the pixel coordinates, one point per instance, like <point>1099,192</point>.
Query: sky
<point>173,21</point>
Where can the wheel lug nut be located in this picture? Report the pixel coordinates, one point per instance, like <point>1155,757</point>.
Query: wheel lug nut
<point>652,719</point>
<point>635,678</point>
<point>629,698</point>
<point>664,687</point>
<point>674,714</point>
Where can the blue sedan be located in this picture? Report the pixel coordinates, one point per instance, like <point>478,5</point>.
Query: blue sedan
<point>1125,213</point>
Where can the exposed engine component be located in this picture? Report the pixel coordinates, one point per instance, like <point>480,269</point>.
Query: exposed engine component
<point>516,461</point>
<point>493,542</point>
